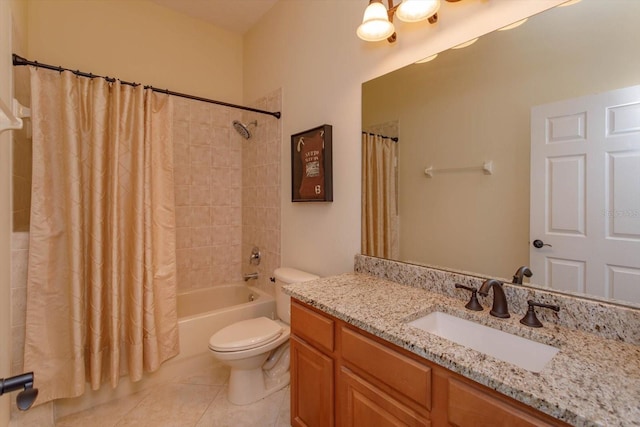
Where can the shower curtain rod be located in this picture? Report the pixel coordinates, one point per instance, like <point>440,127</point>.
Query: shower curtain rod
<point>393,138</point>
<point>18,60</point>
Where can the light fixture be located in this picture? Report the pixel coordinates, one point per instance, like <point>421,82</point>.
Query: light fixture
<point>514,25</point>
<point>417,10</point>
<point>465,44</point>
<point>377,23</point>
<point>427,59</point>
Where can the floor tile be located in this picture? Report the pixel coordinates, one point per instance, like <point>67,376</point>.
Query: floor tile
<point>105,415</point>
<point>216,374</point>
<point>172,405</point>
<point>198,400</point>
<point>263,413</point>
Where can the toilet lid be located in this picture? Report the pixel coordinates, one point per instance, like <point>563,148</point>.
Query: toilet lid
<point>245,334</point>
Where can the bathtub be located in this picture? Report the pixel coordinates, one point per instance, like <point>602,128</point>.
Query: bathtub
<point>203,312</point>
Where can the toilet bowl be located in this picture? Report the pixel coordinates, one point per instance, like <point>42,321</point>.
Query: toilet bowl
<point>257,350</point>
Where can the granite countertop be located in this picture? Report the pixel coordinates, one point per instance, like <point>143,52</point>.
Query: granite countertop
<point>592,381</point>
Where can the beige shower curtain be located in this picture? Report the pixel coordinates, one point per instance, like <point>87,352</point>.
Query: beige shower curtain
<point>379,197</point>
<point>102,272</point>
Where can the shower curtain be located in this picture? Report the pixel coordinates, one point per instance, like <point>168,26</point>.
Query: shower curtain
<point>379,197</point>
<point>102,272</point>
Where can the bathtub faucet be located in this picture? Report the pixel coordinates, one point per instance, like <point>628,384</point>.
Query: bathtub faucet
<point>250,276</point>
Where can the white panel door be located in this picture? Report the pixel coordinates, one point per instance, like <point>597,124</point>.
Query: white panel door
<point>585,194</point>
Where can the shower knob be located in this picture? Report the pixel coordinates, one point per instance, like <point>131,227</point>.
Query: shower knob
<point>254,259</point>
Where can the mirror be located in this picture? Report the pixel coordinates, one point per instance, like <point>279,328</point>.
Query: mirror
<point>473,105</point>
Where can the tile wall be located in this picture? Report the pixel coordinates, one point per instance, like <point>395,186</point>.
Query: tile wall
<point>208,180</point>
<point>21,155</point>
<point>227,193</point>
<point>261,165</point>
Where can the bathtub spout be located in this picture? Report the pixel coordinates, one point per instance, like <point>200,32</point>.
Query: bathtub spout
<point>250,276</point>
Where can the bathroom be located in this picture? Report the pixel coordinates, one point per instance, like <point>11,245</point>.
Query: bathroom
<point>288,62</point>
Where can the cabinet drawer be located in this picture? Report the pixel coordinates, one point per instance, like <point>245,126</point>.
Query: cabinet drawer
<point>470,406</point>
<point>313,327</point>
<point>405,376</point>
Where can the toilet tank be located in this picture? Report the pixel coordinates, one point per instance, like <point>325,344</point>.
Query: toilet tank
<point>285,276</point>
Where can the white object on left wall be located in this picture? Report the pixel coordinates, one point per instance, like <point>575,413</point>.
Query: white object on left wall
<point>11,118</point>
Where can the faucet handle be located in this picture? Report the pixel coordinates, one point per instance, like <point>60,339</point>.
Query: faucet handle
<point>530,318</point>
<point>473,303</point>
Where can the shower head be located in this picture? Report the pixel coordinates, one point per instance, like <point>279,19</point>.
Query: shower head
<point>243,129</point>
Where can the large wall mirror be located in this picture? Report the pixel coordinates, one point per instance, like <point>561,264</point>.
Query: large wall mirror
<point>458,190</point>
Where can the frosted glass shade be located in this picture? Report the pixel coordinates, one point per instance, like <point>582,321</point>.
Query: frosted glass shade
<point>417,10</point>
<point>375,23</point>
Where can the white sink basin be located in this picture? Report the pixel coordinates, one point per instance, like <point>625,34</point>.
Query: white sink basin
<point>526,354</point>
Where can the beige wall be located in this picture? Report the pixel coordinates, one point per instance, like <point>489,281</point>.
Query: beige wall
<point>309,48</point>
<point>137,40</point>
<point>479,110</point>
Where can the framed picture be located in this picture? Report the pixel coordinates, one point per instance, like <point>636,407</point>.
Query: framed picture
<point>311,165</point>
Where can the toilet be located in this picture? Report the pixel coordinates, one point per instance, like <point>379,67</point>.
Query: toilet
<point>257,350</point>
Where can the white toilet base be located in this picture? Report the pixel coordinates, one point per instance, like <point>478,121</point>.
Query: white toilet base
<point>249,386</point>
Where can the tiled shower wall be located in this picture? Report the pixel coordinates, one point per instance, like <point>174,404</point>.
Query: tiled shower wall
<point>227,193</point>
<point>21,155</point>
<point>208,180</point>
<point>261,191</point>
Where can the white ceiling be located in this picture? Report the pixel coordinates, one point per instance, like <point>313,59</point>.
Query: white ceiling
<point>233,15</point>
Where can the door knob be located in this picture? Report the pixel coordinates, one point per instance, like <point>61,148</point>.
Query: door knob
<point>539,243</point>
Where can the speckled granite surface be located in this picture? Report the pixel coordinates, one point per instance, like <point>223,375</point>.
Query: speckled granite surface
<point>592,381</point>
<point>601,318</point>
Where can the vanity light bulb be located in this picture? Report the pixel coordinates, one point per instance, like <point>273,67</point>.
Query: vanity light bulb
<point>417,10</point>
<point>375,23</point>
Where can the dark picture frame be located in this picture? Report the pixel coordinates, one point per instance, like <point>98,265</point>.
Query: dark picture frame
<point>311,165</point>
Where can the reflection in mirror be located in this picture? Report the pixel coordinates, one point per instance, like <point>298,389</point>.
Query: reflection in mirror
<point>555,81</point>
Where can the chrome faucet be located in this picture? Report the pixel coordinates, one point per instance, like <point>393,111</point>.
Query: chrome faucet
<point>519,276</point>
<point>250,276</point>
<point>499,308</point>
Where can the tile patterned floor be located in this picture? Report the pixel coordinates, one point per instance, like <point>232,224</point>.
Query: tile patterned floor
<point>197,401</point>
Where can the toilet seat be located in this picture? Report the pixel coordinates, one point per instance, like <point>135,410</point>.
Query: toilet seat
<point>246,334</point>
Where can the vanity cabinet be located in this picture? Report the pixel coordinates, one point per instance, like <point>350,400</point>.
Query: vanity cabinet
<point>312,368</point>
<point>343,376</point>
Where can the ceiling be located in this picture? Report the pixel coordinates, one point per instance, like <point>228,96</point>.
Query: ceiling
<point>236,16</point>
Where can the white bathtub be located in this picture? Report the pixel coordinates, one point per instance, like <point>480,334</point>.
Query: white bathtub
<point>205,311</point>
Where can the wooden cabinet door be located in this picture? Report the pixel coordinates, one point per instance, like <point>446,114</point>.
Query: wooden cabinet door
<point>311,386</point>
<point>471,406</point>
<point>360,404</point>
